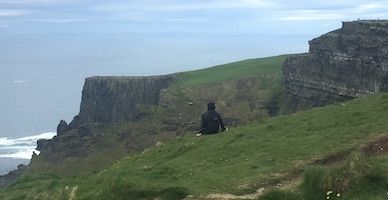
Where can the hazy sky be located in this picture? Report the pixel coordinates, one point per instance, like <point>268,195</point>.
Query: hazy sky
<point>65,17</point>
<point>48,47</point>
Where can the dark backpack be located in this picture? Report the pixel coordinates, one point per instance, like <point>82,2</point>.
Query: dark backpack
<point>211,122</point>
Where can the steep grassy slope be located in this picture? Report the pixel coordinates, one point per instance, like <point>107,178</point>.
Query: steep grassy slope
<point>258,155</point>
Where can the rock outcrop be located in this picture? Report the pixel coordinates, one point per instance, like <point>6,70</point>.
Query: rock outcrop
<point>114,100</point>
<point>62,127</point>
<point>78,142</point>
<point>12,176</point>
<point>106,102</point>
<point>340,65</point>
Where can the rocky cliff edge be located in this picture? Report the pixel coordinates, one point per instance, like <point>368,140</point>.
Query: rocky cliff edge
<point>106,102</point>
<point>340,65</point>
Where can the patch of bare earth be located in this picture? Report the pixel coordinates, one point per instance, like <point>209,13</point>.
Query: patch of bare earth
<point>255,195</point>
<point>289,183</point>
<point>332,159</point>
<point>377,147</point>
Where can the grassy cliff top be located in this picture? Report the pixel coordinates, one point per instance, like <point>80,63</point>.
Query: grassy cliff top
<point>232,71</point>
<point>256,156</point>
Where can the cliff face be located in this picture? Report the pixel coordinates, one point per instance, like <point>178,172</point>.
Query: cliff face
<point>114,100</point>
<point>341,65</point>
<point>106,102</point>
<point>125,115</point>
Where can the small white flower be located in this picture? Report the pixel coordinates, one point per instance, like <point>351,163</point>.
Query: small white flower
<point>338,194</point>
<point>328,193</point>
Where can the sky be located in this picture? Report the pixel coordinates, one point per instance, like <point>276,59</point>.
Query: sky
<point>65,17</point>
<point>48,47</point>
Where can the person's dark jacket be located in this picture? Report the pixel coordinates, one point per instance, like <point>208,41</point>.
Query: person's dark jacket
<point>211,122</point>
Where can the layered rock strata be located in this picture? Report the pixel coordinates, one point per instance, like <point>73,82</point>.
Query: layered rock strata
<point>106,101</point>
<point>340,65</point>
<point>114,100</point>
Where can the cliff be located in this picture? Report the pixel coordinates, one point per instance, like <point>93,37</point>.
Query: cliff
<point>107,102</point>
<point>120,116</point>
<point>340,65</point>
<point>114,100</point>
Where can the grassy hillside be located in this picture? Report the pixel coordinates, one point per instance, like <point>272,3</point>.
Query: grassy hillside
<point>243,91</point>
<point>273,153</point>
<point>233,71</point>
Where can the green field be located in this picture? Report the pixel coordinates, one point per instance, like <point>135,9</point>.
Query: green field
<point>244,90</point>
<point>300,156</point>
<point>233,71</point>
<point>259,155</point>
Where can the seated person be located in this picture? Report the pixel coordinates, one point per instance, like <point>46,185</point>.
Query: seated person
<point>211,121</point>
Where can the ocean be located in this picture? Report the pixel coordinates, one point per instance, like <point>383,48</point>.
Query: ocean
<point>14,152</point>
<point>9,164</point>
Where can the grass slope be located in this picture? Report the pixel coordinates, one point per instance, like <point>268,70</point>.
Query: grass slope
<point>257,155</point>
<point>161,122</point>
<point>232,71</point>
<point>243,91</point>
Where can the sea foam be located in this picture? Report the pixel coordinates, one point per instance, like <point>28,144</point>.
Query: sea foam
<point>22,148</point>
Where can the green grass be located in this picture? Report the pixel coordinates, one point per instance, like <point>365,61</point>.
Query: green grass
<point>259,154</point>
<point>360,177</point>
<point>232,71</point>
<point>281,195</point>
<point>242,90</point>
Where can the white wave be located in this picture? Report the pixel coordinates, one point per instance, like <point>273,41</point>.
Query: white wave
<point>19,81</point>
<point>47,135</point>
<point>15,147</point>
<point>21,154</point>
<point>22,147</point>
<point>26,140</point>
<point>4,141</point>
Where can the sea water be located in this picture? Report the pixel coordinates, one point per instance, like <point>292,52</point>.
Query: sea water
<point>14,152</point>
